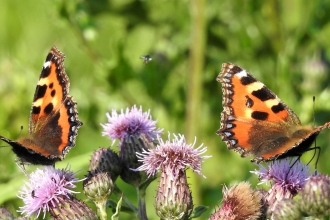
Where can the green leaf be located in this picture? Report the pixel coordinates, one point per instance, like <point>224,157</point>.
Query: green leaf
<point>198,211</point>
<point>116,215</point>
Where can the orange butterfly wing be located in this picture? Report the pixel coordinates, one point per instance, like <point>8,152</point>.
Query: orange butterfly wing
<point>256,122</point>
<point>54,119</point>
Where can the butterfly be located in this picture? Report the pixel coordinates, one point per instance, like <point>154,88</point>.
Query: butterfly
<point>54,123</point>
<point>254,121</point>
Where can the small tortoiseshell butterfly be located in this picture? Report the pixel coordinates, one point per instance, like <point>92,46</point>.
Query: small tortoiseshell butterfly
<point>54,122</point>
<point>254,121</point>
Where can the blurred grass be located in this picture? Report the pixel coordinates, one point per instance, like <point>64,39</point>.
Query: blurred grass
<point>283,43</point>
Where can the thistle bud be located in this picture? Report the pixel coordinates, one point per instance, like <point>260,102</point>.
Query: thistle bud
<point>173,200</point>
<point>129,148</point>
<point>315,196</point>
<point>68,208</point>
<point>5,214</point>
<point>106,160</point>
<point>286,209</point>
<point>98,186</point>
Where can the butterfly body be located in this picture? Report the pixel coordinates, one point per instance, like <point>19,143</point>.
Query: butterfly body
<point>256,122</point>
<point>54,123</point>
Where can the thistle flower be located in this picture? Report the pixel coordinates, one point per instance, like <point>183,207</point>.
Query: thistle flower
<point>287,180</point>
<point>131,123</point>
<point>239,202</point>
<point>47,190</point>
<point>315,197</point>
<point>136,131</point>
<point>173,199</point>
<point>291,177</point>
<point>176,155</point>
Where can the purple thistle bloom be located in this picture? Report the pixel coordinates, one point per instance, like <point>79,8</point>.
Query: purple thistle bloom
<point>131,123</point>
<point>172,155</point>
<point>283,173</point>
<point>287,180</point>
<point>44,188</point>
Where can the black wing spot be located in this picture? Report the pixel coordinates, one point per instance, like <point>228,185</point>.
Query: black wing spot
<point>247,80</point>
<point>49,57</point>
<point>49,108</point>
<point>249,102</point>
<point>236,69</point>
<point>36,110</point>
<point>53,92</point>
<point>277,108</point>
<point>259,115</point>
<point>263,94</point>
<point>41,91</point>
<point>45,72</point>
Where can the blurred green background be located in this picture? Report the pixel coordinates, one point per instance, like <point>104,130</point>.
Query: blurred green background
<point>285,44</point>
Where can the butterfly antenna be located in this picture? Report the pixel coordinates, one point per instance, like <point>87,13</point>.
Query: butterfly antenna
<point>20,131</point>
<point>313,111</point>
<point>315,148</point>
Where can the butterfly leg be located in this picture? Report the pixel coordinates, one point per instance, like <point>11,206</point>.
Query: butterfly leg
<point>20,164</point>
<point>318,149</point>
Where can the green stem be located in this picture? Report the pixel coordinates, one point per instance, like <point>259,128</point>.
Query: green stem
<point>101,210</point>
<point>142,211</point>
<point>195,80</point>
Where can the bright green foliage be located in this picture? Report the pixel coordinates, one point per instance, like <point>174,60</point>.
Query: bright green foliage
<point>285,44</point>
